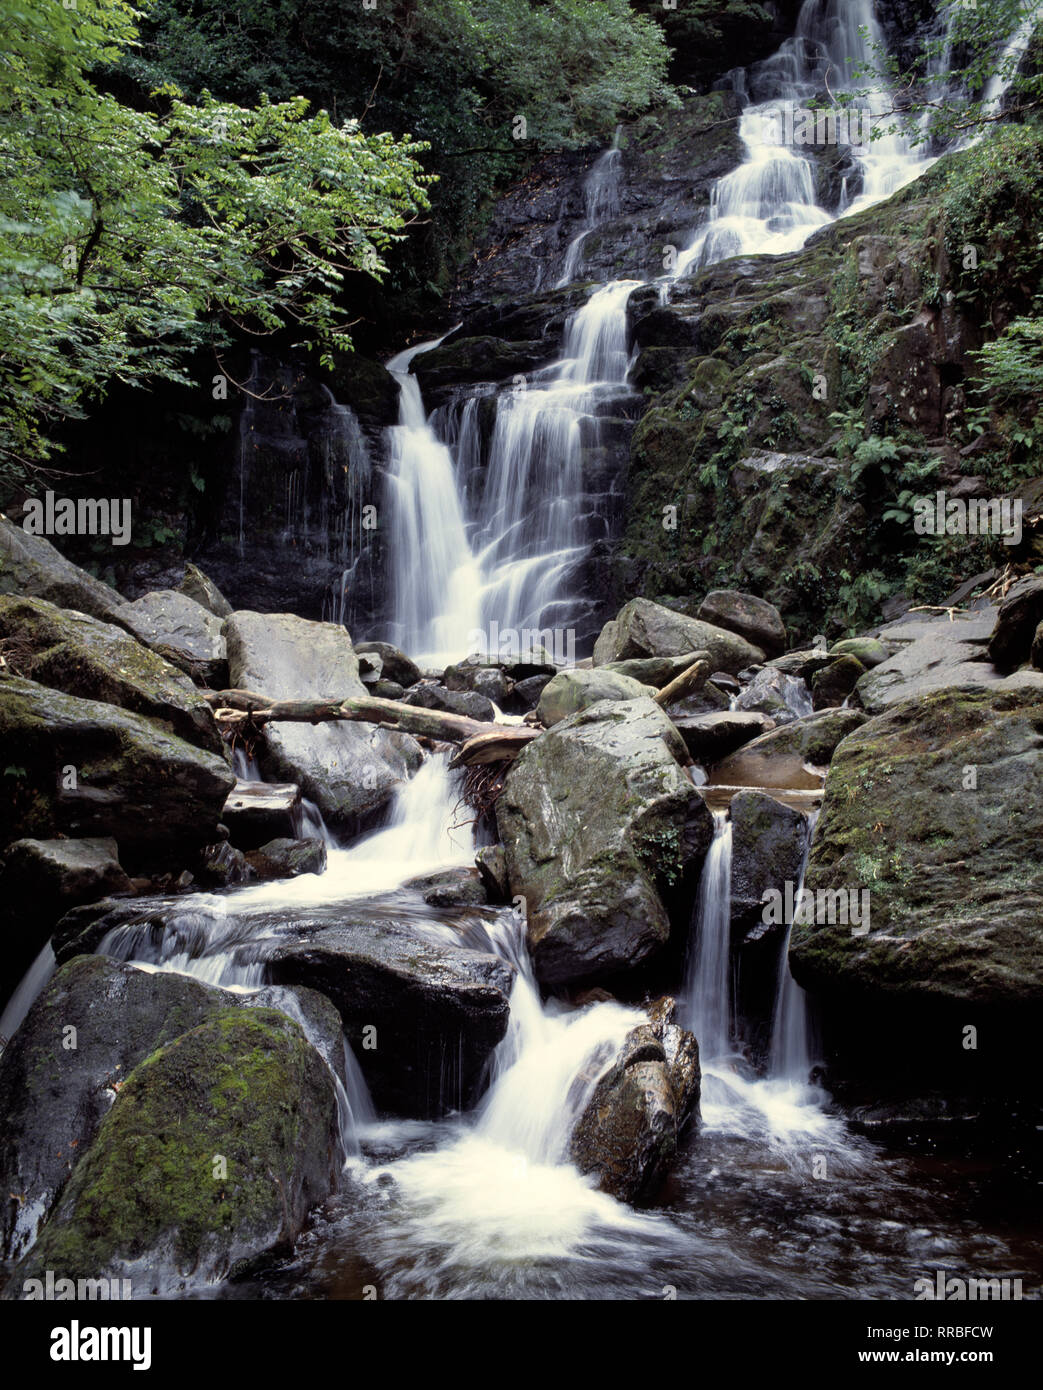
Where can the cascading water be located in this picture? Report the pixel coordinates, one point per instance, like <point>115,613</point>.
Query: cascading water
<point>708,985</point>
<point>790,1056</point>
<point>769,204</point>
<point>601,201</point>
<point>509,561</point>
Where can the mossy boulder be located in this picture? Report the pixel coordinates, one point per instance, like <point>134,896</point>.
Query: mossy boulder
<point>215,1150</point>
<point>868,650</point>
<point>286,858</point>
<point>30,566</point>
<point>570,691</point>
<point>934,808</point>
<point>83,656</point>
<point>831,685</point>
<point>83,768</point>
<point>769,842</point>
<point>644,629</point>
<point>813,739</point>
<point>593,819</point>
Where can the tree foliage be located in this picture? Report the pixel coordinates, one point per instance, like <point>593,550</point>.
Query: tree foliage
<point>130,237</point>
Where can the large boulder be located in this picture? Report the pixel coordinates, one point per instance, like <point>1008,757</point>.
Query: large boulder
<point>570,691</point>
<point>65,1065</point>
<point>832,685</point>
<point>754,618</point>
<point>180,630</point>
<point>593,821</point>
<point>31,567</point>
<point>934,808</point>
<point>935,654</point>
<point>643,629</point>
<point>769,843</point>
<point>216,1148</point>
<point>778,693</point>
<point>349,770</point>
<point>40,881</point>
<point>711,737</point>
<point>79,767</point>
<point>438,1009</point>
<point>626,1136</point>
<point>1020,614</point>
<point>81,655</point>
<point>468,703</point>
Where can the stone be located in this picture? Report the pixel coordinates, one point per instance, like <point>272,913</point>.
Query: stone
<point>258,812</point>
<point>83,768</point>
<point>711,737</point>
<point>181,631</point>
<point>222,1088</point>
<point>755,619</point>
<point>832,685</point>
<point>449,888</point>
<point>571,691</point>
<point>644,629</point>
<point>868,650</point>
<point>953,869</point>
<point>395,665</point>
<point>205,592</point>
<point>1019,615</point>
<point>84,656</point>
<point>656,671</point>
<point>592,817</point>
<point>30,567</point>
<point>288,858</point>
<point>769,843</point>
<point>491,862</point>
<point>935,654</point>
<point>438,1009</point>
<point>349,770</point>
<point>465,702</point>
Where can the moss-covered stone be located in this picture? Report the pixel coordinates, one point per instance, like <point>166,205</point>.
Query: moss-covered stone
<point>217,1146</point>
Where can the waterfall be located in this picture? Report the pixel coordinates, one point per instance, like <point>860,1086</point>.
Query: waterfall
<point>1010,57</point>
<point>708,986</point>
<point>435,580</point>
<point>26,993</point>
<point>790,1056</point>
<point>601,201</point>
<point>769,203</point>
<point>507,559</point>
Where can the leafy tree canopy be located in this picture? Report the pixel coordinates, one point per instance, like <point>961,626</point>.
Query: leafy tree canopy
<point>129,237</point>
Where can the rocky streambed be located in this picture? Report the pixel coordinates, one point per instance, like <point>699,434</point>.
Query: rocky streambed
<point>724,986</point>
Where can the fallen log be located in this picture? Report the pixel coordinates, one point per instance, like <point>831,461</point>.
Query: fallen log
<point>499,745</point>
<point>238,709</point>
<point>691,679</point>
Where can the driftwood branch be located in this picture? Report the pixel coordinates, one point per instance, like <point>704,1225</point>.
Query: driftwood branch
<point>691,679</point>
<point>239,709</point>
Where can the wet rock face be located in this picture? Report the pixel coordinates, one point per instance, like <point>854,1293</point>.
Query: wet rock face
<point>646,629</point>
<point>1019,617</point>
<point>934,809</point>
<point>151,791</point>
<point>592,819</point>
<point>348,770</point>
<point>218,1091</point>
<point>769,841</point>
<point>83,656</point>
<point>54,1097</point>
<point>627,1135</point>
<point>438,1009</point>
<point>32,567</point>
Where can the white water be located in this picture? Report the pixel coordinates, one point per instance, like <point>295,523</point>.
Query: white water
<point>601,201</point>
<point>768,205</point>
<point>790,1057</point>
<point>25,995</point>
<point>506,555</point>
<point>708,987</point>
